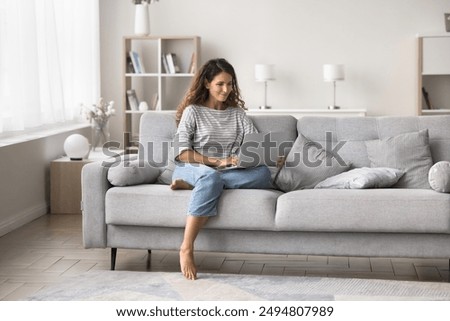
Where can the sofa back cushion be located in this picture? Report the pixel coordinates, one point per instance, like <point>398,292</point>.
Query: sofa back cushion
<point>157,130</point>
<point>284,128</point>
<point>347,135</point>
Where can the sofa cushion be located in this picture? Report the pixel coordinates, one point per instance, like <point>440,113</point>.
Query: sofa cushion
<point>439,177</point>
<point>158,205</point>
<point>364,177</point>
<point>307,164</point>
<point>409,152</point>
<point>157,130</point>
<point>132,172</point>
<point>364,210</point>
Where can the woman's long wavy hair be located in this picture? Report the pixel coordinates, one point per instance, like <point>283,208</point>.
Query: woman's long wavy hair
<point>198,94</point>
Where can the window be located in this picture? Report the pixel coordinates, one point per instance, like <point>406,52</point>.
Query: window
<point>49,61</point>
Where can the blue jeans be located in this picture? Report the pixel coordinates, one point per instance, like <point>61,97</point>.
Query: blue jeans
<point>209,183</point>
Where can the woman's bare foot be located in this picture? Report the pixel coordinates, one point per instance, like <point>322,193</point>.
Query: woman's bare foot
<point>187,264</point>
<point>180,184</point>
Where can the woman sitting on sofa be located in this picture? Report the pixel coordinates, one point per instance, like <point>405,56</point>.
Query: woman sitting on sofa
<point>211,125</point>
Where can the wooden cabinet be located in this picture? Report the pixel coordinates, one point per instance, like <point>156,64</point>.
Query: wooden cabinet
<point>65,182</point>
<point>155,83</point>
<point>434,74</point>
<point>65,186</point>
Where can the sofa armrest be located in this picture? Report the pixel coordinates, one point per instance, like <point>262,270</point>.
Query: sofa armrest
<point>94,185</point>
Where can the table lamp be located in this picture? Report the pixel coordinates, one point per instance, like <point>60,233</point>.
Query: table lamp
<point>264,73</point>
<point>333,73</point>
<point>76,147</point>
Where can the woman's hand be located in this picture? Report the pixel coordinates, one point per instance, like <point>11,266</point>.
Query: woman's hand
<point>190,156</point>
<point>226,162</point>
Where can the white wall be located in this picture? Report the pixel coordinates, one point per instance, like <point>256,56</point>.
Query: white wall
<point>374,39</point>
<point>25,178</point>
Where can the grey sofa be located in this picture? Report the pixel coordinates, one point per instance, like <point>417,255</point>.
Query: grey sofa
<point>388,222</point>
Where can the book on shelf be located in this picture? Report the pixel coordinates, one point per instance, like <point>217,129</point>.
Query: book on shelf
<point>133,102</point>
<point>164,64</point>
<point>426,97</point>
<point>192,65</point>
<point>136,61</point>
<point>154,102</point>
<point>176,65</point>
<point>172,63</point>
<point>130,67</point>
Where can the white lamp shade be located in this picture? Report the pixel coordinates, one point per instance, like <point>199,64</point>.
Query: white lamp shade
<point>264,72</point>
<point>76,146</point>
<point>333,72</point>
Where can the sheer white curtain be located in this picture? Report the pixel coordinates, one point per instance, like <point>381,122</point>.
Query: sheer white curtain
<point>49,61</point>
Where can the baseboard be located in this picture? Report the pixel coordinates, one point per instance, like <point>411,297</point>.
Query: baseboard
<point>22,218</point>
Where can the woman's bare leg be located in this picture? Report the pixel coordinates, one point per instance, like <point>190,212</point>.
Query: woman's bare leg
<point>187,263</point>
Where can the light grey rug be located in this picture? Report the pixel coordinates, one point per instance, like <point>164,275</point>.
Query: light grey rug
<point>157,286</point>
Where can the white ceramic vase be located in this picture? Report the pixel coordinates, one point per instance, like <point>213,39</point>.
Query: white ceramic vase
<point>141,20</point>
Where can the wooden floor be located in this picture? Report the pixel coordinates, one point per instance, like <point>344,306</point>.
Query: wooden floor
<point>49,250</point>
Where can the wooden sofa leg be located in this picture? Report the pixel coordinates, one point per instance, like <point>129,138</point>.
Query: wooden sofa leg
<point>113,258</point>
<point>149,259</point>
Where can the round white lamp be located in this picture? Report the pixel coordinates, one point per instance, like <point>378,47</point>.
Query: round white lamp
<point>76,147</point>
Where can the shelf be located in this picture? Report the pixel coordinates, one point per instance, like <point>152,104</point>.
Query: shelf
<point>181,75</point>
<point>435,111</point>
<point>142,75</point>
<point>161,91</point>
<point>310,112</point>
<point>149,111</point>
<point>432,34</point>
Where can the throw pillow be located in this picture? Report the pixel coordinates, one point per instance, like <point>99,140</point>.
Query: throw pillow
<point>128,173</point>
<point>307,164</point>
<point>364,177</point>
<point>409,152</point>
<point>439,177</point>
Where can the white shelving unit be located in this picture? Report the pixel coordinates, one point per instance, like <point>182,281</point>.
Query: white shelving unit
<point>433,74</point>
<point>158,88</point>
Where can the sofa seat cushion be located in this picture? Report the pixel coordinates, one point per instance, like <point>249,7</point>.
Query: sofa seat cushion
<point>370,210</point>
<point>158,205</point>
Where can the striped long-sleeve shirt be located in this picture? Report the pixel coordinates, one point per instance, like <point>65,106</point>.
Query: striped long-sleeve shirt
<point>212,133</point>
